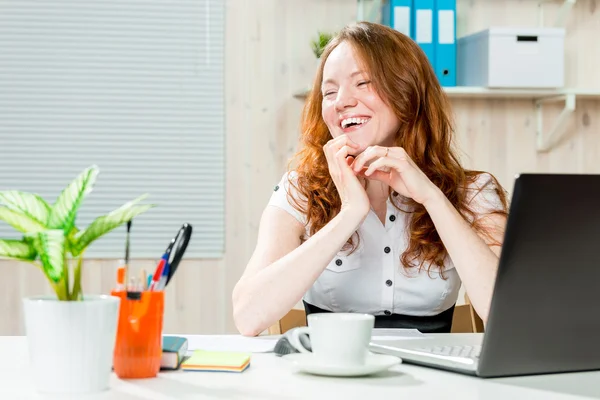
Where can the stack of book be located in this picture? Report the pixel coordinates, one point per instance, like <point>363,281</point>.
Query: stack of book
<point>174,350</point>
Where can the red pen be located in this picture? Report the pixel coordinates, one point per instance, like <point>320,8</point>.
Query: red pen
<point>157,274</point>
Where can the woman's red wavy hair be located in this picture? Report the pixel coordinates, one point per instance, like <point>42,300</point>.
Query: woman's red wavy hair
<point>402,76</point>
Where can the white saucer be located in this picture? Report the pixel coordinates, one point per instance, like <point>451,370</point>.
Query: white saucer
<point>374,363</point>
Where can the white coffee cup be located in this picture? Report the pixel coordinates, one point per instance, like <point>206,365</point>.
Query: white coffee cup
<point>336,338</point>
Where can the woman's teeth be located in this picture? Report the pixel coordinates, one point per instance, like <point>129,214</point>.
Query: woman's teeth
<point>353,121</point>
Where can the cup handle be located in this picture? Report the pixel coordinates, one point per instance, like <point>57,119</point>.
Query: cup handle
<point>294,338</point>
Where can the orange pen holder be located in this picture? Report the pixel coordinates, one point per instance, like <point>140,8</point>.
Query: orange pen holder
<point>138,347</point>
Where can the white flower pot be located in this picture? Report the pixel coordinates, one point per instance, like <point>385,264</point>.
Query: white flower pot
<point>71,343</point>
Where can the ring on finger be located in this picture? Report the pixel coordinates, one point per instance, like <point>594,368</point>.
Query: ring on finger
<point>387,150</point>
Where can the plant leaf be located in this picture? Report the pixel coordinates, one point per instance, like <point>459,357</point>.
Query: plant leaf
<point>30,204</point>
<point>130,203</point>
<point>77,294</point>
<point>71,240</point>
<point>50,246</point>
<point>19,221</point>
<point>64,211</point>
<point>17,249</point>
<point>102,225</point>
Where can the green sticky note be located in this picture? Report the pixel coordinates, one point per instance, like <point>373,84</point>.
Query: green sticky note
<point>203,360</point>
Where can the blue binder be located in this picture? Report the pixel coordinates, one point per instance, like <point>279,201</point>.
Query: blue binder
<point>397,14</point>
<point>445,42</point>
<point>424,23</point>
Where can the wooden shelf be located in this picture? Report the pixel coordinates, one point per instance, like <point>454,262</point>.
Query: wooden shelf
<point>545,140</point>
<point>474,92</point>
<point>487,93</point>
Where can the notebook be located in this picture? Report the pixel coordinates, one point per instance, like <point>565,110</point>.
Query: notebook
<point>174,349</point>
<point>216,361</point>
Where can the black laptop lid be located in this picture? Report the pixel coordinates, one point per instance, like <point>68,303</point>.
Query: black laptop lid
<point>545,314</point>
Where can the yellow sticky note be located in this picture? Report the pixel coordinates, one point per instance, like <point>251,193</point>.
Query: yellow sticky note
<point>225,361</point>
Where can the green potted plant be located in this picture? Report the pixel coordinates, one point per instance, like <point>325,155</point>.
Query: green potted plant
<point>70,335</point>
<point>318,44</point>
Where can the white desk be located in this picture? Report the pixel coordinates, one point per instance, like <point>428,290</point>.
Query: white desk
<point>272,377</point>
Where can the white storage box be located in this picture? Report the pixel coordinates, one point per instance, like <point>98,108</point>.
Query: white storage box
<point>512,58</point>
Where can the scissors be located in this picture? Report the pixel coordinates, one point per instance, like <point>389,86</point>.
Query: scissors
<point>173,255</point>
<point>181,241</point>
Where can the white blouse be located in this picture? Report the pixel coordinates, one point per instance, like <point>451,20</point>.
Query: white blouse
<point>372,279</point>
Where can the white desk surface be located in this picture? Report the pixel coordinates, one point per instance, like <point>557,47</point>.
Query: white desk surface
<point>272,377</point>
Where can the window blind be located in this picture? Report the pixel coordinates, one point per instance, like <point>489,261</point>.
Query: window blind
<point>132,86</point>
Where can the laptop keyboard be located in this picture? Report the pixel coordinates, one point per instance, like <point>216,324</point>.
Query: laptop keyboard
<point>454,351</point>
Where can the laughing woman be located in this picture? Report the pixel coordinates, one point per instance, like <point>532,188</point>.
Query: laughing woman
<point>378,216</point>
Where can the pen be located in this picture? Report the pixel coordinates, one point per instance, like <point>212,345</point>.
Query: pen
<point>157,274</point>
<point>143,280</point>
<point>162,282</point>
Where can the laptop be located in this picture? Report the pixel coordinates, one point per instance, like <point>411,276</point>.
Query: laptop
<point>545,310</point>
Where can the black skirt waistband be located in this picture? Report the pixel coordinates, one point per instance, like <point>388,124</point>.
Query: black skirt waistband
<point>440,323</point>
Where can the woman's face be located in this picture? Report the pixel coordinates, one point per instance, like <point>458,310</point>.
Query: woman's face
<point>350,104</point>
